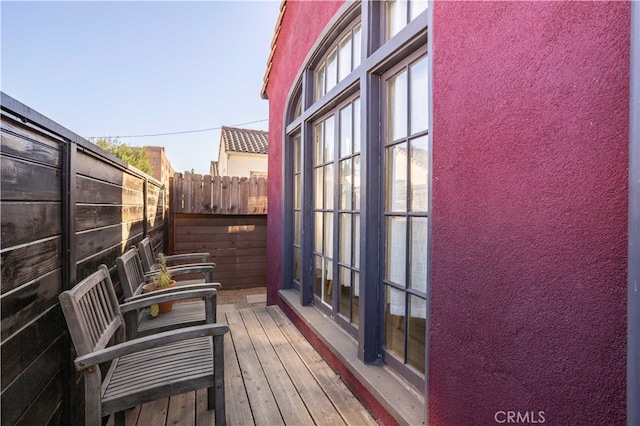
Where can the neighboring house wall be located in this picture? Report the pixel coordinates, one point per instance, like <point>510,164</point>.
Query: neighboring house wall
<point>529,204</point>
<point>160,164</point>
<point>242,152</point>
<point>245,165</point>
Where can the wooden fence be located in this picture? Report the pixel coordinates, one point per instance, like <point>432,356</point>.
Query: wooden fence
<point>226,217</point>
<point>193,193</point>
<point>67,206</point>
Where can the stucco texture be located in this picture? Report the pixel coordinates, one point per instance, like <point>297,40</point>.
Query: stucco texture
<point>302,24</point>
<point>529,245</point>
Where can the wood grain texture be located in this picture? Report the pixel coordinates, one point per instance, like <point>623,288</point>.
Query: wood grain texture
<point>231,195</point>
<point>261,353</point>
<point>291,406</point>
<point>259,392</point>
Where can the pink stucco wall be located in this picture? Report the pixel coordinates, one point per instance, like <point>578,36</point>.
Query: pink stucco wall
<point>530,145</point>
<point>302,24</point>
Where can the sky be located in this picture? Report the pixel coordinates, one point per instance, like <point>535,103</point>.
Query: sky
<point>122,68</point>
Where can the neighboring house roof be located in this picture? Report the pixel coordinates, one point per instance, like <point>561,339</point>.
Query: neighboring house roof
<point>244,140</point>
<point>276,32</point>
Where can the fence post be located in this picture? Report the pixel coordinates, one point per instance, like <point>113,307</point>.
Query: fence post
<point>170,218</point>
<point>68,266</point>
<point>145,207</point>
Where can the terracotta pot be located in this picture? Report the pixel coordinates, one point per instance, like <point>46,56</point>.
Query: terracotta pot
<point>166,306</point>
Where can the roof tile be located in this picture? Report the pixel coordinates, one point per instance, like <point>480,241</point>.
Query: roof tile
<point>244,140</point>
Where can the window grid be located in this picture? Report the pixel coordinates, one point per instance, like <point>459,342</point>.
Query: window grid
<point>324,175</point>
<point>322,251</point>
<point>406,212</point>
<point>343,57</point>
<point>400,12</point>
<point>349,211</point>
<point>297,208</point>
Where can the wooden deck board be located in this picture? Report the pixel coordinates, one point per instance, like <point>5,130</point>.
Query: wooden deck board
<point>318,404</point>
<point>352,411</point>
<point>272,376</point>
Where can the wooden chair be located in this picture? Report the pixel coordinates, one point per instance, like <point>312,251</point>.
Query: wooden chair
<point>149,263</point>
<point>143,369</point>
<point>186,313</point>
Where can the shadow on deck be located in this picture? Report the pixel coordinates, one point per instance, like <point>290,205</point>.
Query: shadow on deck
<point>273,376</point>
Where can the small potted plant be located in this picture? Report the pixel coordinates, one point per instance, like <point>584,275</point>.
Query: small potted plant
<point>162,279</point>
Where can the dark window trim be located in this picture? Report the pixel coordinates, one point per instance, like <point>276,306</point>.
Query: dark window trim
<point>376,58</point>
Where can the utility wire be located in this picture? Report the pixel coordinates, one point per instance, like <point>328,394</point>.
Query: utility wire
<point>177,133</point>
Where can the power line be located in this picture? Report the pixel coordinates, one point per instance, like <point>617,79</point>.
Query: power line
<point>177,133</point>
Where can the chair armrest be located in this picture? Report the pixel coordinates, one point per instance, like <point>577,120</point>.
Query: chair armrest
<point>177,289</point>
<point>166,295</point>
<point>193,268</point>
<point>153,341</point>
<point>187,256</point>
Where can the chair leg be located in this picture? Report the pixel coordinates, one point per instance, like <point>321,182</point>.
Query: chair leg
<point>216,394</point>
<point>118,418</point>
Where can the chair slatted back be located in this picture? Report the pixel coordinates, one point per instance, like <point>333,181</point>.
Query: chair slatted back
<point>131,273</point>
<point>147,255</point>
<point>92,312</point>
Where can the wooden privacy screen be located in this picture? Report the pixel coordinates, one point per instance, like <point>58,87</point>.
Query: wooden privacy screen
<point>193,193</point>
<point>67,206</point>
<point>224,216</point>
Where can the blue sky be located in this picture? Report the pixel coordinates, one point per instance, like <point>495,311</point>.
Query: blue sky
<point>135,68</point>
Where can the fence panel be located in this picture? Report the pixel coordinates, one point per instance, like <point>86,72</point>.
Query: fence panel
<point>193,193</point>
<point>67,206</point>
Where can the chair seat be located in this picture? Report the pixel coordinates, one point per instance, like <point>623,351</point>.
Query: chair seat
<point>158,373</point>
<point>184,313</point>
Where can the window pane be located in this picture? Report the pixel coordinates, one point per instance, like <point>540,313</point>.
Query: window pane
<point>344,57</point>
<point>297,266</point>
<point>332,70</point>
<point>297,203</point>
<point>419,96</point>
<point>356,182</point>
<point>418,253</point>
<point>397,107</point>
<point>344,307</point>
<point>396,250</point>
<point>397,178</point>
<point>318,187</point>
<point>395,322</point>
<point>318,233</point>
<point>346,126</point>
<point>417,7</point>
<point>345,238</point>
<point>318,277</point>
<point>318,142</point>
<point>329,139</point>
<point>355,300</point>
<point>356,241</point>
<point>320,81</point>
<point>296,228</point>
<point>357,46</point>
<point>417,331</point>
<point>327,289</point>
<point>298,108</point>
<point>296,154</point>
<point>328,186</point>
<point>396,16</point>
<point>420,174</point>
<point>356,125</point>
<point>346,187</point>
<point>328,235</point>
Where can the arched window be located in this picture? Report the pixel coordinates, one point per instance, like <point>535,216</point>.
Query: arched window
<point>357,173</point>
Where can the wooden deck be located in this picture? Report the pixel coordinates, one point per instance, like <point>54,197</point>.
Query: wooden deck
<point>273,376</point>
